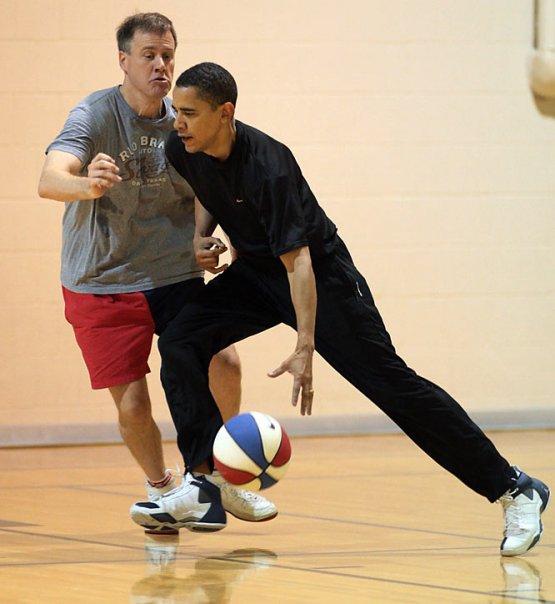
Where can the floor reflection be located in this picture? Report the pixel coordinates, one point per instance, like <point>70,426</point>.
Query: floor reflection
<point>523,580</point>
<point>211,581</point>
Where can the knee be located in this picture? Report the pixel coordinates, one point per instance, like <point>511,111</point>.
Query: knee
<point>173,350</point>
<point>183,360</point>
<point>227,362</point>
<point>166,346</point>
<point>135,412</point>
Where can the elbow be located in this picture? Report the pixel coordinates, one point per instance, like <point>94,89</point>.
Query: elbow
<point>46,188</point>
<point>43,189</point>
<point>296,258</point>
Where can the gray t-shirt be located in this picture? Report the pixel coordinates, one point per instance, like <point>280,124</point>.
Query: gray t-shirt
<point>139,235</point>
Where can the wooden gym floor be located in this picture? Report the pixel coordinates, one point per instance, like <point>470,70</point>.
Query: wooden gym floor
<point>362,519</point>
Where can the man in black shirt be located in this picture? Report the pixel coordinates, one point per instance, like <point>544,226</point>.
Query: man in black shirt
<point>293,268</point>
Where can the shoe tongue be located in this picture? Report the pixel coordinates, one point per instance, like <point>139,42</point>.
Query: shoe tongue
<point>515,488</point>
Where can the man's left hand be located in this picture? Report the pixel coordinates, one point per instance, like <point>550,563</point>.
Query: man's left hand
<point>299,365</point>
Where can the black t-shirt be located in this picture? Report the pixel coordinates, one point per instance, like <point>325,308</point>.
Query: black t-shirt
<point>258,195</point>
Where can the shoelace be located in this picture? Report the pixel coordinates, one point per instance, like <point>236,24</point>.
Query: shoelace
<point>513,515</point>
<point>241,495</point>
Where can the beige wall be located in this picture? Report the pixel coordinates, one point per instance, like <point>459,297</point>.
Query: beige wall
<point>414,125</point>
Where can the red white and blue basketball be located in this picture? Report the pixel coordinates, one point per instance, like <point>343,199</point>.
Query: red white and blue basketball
<point>252,450</point>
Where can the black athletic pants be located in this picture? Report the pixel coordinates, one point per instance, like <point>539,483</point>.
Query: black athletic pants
<point>253,295</point>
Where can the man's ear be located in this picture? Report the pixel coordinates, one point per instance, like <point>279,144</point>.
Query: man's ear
<point>228,112</point>
<point>123,60</point>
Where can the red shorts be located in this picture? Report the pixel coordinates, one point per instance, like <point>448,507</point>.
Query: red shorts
<point>115,331</point>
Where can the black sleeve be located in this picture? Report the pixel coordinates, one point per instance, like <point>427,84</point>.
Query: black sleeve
<point>281,213</point>
<point>174,153</point>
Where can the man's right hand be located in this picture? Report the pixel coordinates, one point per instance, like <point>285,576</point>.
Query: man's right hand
<point>207,253</point>
<point>102,174</point>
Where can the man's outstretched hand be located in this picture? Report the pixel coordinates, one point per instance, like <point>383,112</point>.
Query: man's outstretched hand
<point>299,365</point>
<point>102,174</point>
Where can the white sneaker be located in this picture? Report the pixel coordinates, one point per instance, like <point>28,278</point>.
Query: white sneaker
<point>195,505</point>
<point>242,504</point>
<point>523,506</point>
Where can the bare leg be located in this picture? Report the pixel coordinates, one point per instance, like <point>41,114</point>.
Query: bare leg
<point>138,429</point>
<point>225,384</point>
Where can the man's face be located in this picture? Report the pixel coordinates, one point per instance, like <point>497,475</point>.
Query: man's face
<point>149,63</point>
<point>198,123</point>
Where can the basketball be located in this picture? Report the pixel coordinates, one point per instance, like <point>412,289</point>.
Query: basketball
<point>252,450</point>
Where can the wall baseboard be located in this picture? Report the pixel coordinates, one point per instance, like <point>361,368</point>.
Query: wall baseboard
<point>104,433</point>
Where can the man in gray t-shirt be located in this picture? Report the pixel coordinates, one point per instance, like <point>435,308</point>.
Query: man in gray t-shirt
<point>138,234</point>
<point>127,255</point>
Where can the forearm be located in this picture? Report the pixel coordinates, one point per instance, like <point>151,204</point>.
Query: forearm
<point>302,285</point>
<point>61,177</point>
<point>63,186</point>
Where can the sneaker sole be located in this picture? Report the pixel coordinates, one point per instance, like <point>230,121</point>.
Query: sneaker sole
<point>199,527</point>
<point>265,519</point>
<point>161,531</point>
<point>154,527</point>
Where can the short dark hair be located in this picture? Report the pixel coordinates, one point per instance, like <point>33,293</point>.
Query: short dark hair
<point>147,22</point>
<point>213,83</point>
